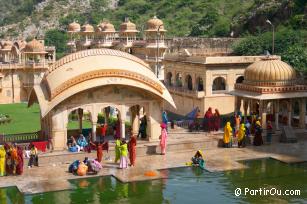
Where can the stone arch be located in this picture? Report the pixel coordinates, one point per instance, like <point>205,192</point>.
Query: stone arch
<point>239,79</point>
<point>189,82</point>
<point>169,79</point>
<point>200,84</point>
<point>219,84</point>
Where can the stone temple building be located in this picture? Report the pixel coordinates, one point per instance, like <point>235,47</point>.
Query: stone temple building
<point>204,80</point>
<point>22,65</point>
<point>150,48</point>
<point>272,87</point>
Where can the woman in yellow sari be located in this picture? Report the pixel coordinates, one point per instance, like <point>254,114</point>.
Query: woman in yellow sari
<point>227,135</point>
<point>2,161</point>
<point>241,136</point>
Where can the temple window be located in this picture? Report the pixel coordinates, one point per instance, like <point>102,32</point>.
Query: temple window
<point>219,84</point>
<point>188,81</point>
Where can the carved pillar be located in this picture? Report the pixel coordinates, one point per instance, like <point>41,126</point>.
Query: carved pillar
<point>154,117</point>
<point>135,119</point>
<point>262,112</point>
<point>80,116</point>
<point>245,106</point>
<point>122,121</point>
<point>289,113</point>
<point>303,113</point>
<point>277,114</point>
<point>58,129</point>
<point>94,126</point>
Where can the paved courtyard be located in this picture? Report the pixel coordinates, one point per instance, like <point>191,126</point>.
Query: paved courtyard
<point>52,175</point>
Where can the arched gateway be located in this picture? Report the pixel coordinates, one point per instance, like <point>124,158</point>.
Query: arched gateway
<point>92,80</point>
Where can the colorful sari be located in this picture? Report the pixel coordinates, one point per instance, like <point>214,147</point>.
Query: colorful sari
<point>19,168</point>
<point>2,161</point>
<point>132,150</point>
<point>123,156</point>
<point>227,135</point>
<point>163,138</point>
<point>117,150</point>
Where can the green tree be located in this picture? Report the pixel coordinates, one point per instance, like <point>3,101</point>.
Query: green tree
<point>58,39</point>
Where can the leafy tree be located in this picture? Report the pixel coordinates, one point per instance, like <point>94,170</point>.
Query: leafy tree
<point>289,44</point>
<point>58,39</point>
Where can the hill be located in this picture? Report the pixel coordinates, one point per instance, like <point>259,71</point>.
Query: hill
<point>208,18</point>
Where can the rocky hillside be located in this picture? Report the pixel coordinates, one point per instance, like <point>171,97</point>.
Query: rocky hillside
<point>181,17</point>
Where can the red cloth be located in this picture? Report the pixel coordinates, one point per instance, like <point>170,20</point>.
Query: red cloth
<point>40,145</point>
<point>99,153</point>
<point>209,117</point>
<point>132,150</point>
<point>19,168</point>
<point>104,129</point>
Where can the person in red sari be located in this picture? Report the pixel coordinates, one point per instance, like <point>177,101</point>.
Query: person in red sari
<point>19,168</point>
<point>132,148</point>
<point>99,150</point>
<point>208,118</point>
<point>217,120</point>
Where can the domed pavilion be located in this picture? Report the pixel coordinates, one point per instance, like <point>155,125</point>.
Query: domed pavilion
<point>93,80</point>
<point>270,89</point>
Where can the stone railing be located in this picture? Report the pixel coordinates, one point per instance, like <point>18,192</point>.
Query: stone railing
<point>32,65</point>
<point>19,138</point>
<point>185,91</point>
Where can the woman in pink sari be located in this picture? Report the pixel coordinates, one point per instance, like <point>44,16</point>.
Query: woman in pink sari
<point>163,138</point>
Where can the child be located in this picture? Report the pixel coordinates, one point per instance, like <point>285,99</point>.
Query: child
<point>123,155</point>
<point>33,157</point>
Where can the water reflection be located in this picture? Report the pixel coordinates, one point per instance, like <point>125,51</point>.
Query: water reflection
<point>184,185</point>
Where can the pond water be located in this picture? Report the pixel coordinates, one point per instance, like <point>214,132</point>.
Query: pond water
<point>184,185</point>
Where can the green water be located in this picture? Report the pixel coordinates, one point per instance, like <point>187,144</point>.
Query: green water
<point>184,185</point>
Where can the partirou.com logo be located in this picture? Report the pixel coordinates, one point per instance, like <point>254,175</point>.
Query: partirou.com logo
<point>266,192</point>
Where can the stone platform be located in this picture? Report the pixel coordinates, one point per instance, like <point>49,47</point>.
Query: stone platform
<point>52,174</point>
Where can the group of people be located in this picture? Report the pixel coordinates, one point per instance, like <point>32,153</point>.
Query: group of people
<point>12,158</point>
<point>121,151</point>
<point>242,131</point>
<point>77,145</point>
<point>85,167</point>
<point>211,121</point>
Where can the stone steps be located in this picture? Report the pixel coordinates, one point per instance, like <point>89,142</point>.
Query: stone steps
<point>143,149</point>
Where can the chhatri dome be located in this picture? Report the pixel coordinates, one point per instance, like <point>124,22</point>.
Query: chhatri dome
<point>269,69</point>
<point>7,45</point>
<point>74,27</point>
<point>270,75</point>
<point>128,26</point>
<point>87,28</point>
<point>34,46</point>
<point>154,23</point>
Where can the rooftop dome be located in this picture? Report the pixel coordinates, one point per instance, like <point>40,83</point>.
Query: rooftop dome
<point>34,46</point>
<point>128,26</point>
<point>108,27</point>
<point>74,27</point>
<point>269,69</point>
<point>154,23</point>
<point>7,45</point>
<point>87,28</point>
